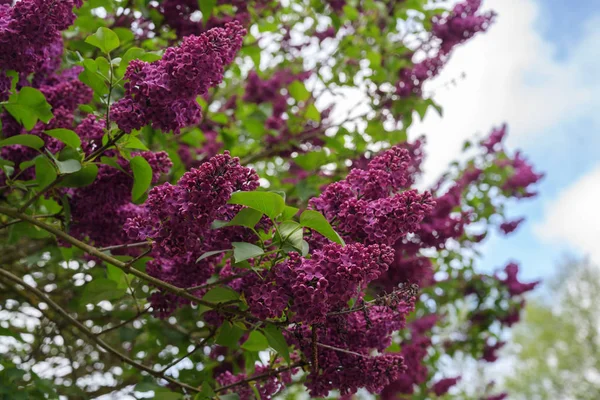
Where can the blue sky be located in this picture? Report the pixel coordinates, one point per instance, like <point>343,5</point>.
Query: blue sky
<point>536,69</point>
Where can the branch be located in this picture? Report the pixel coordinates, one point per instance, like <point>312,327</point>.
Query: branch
<point>127,268</point>
<point>60,178</point>
<point>124,246</point>
<point>326,346</point>
<point>215,283</point>
<point>89,334</point>
<point>196,348</point>
<point>112,328</point>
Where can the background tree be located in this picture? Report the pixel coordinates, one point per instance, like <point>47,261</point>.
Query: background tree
<point>207,199</point>
<point>556,346</point>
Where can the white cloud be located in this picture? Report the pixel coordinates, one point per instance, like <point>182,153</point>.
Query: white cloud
<point>574,217</point>
<point>513,76</point>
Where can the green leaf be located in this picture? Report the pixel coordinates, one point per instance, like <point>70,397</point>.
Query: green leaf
<point>125,35</point>
<point>291,234</point>
<point>313,113</point>
<point>288,213</point>
<point>8,332</point>
<point>270,204</point>
<point>256,342</point>
<point>211,253</point>
<point>221,294</point>
<point>28,106</point>
<point>81,178</point>
<point>134,53</point>
<point>24,140</point>
<point>229,335</point>
<point>66,136</point>
<point>101,289</point>
<point>104,39</point>
<point>92,78</point>
<point>351,12</point>
<point>44,171</point>
<point>316,221</point>
<point>206,392</point>
<point>247,217</point>
<point>142,177</point>
<point>243,251</point>
<point>206,7</point>
<point>112,162</point>
<point>135,143</point>
<point>117,275</point>
<point>298,91</point>
<point>277,341</point>
<point>68,166</point>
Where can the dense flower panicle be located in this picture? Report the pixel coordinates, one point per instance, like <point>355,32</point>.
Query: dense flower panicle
<point>442,386</point>
<point>326,281</point>
<point>269,90</point>
<point>461,24</point>
<point>411,79</point>
<point>424,324</point>
<point>385,220</point>
<point>493,143</point>
<point>17,154</point>
<point>348,373</point>
<point>413,352</point>
<point>522,177</point>
<point>500,396</point>
<point>510,226</point>
<point>163,93</point>
<point>194,157</point>
<point>266,388</point>
<point>99,210</point>
<point>179,15</point>
<point>66,90</point>
<point>30,31</point>
<point>198,198</point>
<point>329,32</point>
<point>5,83</point>
<point>337,5</point>
<point>489,351</point>
<point>406,269</point>
<point>178,218</point>
<point>364,206</point>
<point>385,174</point>
<point>511,281</point>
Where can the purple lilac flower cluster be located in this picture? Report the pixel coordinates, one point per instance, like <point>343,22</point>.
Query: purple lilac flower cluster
<point>367,207</point>
<point>163,93</point>
<point>99,210</point>
<point>269,90</point>
<point>177,218</point>
<point>321,284</point>
<point>266,388</point>
<point>178,14</point>
<point>512,283</point>
<point>414,351</point>
<point>30,32</point>
<point>462,23</point>
<point>453,29</point>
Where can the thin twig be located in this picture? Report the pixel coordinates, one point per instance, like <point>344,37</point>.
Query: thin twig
<point>261,376</point>
<point>215,283</point>
<point>124,246</point>
<point>112,328</point>
<point>60,178</point>
<point>326,346</point>
<point>196,348</point>
<point>89,334</point>
<point>91,250</point>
